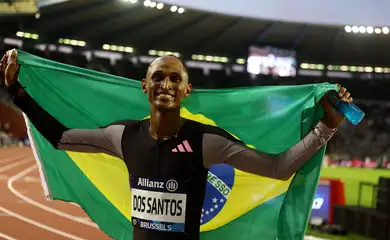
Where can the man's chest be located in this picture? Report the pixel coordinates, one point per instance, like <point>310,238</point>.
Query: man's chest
<point>179,157</point>
<point>167,179</point>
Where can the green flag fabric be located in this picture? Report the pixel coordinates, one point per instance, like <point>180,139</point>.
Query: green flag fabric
<point>270,119</point>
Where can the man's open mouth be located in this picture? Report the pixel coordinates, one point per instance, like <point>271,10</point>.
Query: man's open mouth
<point>165,95</point>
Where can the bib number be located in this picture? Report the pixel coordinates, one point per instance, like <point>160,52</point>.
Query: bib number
<point>158,205</point>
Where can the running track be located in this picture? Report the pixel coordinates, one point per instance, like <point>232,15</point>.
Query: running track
<point>25,214</point>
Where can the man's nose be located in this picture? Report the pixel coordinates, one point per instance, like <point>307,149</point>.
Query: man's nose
<point>166,84</point>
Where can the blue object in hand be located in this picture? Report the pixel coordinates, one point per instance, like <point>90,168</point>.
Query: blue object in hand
<point>349,110</point>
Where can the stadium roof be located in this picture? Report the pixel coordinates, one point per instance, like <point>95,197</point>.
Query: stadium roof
<point>101,22</point>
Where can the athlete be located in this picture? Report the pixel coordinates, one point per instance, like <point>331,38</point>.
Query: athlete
<point>167,156</point>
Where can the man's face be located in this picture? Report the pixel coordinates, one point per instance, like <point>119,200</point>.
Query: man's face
<point>166,83</point>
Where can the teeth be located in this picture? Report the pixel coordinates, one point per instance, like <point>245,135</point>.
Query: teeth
<point>164,95</point>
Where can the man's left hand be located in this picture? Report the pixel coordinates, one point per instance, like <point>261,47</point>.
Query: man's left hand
<point>332,118</point>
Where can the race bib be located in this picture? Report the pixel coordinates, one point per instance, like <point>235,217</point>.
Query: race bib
<point>158,205</point>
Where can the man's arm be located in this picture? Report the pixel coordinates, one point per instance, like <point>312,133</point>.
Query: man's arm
<point>221,148</point>
<point>107,139</point>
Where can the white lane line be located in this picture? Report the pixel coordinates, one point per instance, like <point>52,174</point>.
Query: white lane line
<point>40,205</point>
<point>30,221</point>
<point>40,225</point>
<point>6,237</point>
<point>15,164</point>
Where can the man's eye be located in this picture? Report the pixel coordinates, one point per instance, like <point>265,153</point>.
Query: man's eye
<point>158,77</point>
<point>175,78</point>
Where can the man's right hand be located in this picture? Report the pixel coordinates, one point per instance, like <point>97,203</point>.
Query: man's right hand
<point>9,68</point>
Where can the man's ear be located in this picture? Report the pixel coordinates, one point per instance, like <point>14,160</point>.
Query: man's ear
<point>144,89</point>
<point>188,90</point>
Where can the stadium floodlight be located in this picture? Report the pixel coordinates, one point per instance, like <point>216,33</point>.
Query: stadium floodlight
<point>305,65</point>
<point>370,30</point>
<point>209,58</point>
<point>224,59</point>
<point>355,29</point>
<point>152,52</point>
<point>27,35</point>
<point>133,1</point>
<point>348,29</point>
<point>216,59</point>
<point>146,3</point>
<point>106,47</point>
<point>181,10</point>
<point>385,30</point>
<point>240,61</point>
<point>344,68</point>
<point>320,67</point>
<point>173,8</point>
<point>160,5</point>
<point>378,30</point>
<point>362,29</point>
<point>129,49</point>
<point>152,4</point>
<point>368,69</point>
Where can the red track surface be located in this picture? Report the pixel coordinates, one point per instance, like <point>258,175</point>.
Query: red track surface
<point>25,214</point>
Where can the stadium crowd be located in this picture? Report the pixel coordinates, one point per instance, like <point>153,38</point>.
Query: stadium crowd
<point>364,145</point>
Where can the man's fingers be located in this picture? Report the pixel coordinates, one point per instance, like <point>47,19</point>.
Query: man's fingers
<point>346,96</point>
<point>342,91</point>
<point>12,56</point>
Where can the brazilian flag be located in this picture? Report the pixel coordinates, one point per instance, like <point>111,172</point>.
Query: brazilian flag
<point>237,206</point>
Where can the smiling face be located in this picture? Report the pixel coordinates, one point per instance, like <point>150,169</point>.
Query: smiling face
<point>166,83</point>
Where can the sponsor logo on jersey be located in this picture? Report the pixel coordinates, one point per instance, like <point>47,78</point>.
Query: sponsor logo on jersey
<point>145,182</point>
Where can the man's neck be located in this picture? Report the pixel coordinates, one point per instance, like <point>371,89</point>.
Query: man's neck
<point>164,124</point>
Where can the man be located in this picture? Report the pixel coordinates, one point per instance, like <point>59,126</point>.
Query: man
<point>167,150</point>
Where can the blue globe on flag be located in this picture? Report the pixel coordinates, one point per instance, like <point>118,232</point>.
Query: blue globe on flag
<point>220,180</point>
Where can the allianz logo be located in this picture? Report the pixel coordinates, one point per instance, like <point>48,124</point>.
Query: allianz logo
<point>171,185</point>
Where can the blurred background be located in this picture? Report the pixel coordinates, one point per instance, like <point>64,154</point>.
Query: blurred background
<point>227,44</point>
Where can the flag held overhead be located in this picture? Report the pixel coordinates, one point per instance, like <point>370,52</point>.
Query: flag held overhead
<point>237,205</point>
